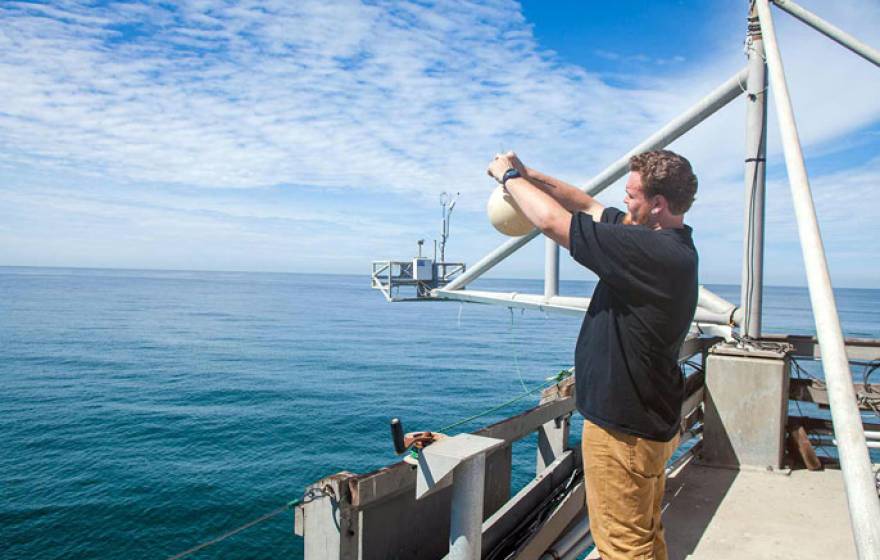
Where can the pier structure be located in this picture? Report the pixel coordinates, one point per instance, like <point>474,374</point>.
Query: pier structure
<point>746,481</point>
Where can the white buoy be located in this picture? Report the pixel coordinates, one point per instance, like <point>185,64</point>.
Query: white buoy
<point>505,215</point>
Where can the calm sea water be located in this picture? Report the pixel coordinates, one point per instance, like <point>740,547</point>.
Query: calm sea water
<point>144,412</point>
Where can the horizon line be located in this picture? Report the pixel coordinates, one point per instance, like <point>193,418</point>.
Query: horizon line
<point>218,271</point>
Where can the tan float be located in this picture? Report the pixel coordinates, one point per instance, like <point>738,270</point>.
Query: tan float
<point>505,215</point>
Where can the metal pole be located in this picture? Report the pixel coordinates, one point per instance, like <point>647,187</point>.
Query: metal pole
<point>755,173</point>
<point>864,507</point>
<point>713,302</point>
<point>568,540</point>
<point>443,236</point>
<point>551,268</point>
<point>721,96</point>
<point>579,548</point>
<point>466,521</point>
<point>830,31</point>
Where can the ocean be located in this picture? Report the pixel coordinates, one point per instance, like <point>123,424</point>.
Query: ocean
<point>144,412</point>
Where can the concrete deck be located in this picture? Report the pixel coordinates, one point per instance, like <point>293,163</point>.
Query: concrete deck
<point>719,514</point>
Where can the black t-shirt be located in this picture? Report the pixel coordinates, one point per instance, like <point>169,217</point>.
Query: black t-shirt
<point>626,360</point>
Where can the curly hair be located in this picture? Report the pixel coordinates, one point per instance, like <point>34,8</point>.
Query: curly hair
<point>669,174</point>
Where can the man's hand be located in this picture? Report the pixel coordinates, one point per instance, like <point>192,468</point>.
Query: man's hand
<point>498,166</point>
<point>538,205</point>
<point>515,162</point>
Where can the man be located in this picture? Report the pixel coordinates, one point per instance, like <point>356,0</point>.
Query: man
<point>629,385</point>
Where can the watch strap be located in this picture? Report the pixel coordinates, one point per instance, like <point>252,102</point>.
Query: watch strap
<point>511,173</point>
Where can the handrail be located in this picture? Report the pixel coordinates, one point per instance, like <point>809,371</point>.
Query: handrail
<point>388,481</point>
<point>336,527</point>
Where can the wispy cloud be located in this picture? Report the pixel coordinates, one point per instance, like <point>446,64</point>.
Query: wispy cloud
<point>159,102</point>
<point>640,58</point>
<point>254,94</point>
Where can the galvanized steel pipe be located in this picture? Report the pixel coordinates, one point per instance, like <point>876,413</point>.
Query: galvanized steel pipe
<point>567,541</point>
<point>579,548</point>
<point>752,284</point>
<point>721,96</point>
<point>864,507</point>
<point>551,268</point>
<point>830,31</point>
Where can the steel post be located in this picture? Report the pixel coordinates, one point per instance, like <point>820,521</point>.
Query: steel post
<point>755,173</point>
<point>551,268</point>
<point>830,31</point>
<point>721,96</point>
<point>466,521</point>
<point>864,507</point>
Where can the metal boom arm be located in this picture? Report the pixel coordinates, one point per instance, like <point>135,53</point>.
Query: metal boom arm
<point>721,96</point>
<point>830,31</point>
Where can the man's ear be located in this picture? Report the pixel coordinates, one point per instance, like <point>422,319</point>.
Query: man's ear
<point>659,204</point>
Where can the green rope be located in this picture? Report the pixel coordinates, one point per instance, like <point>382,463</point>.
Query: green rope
<point>552,380</point>
<point>549,381</point>
<point>515,357</point>
<point>286,507</point>
<point>308,497</point>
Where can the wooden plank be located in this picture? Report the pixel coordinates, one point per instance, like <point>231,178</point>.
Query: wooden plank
<point>812,390</point>
<point>824,427</point>
<point>863,349</point>
<point>503,521</point>
<point>800,444</point>
<point>564,388</point>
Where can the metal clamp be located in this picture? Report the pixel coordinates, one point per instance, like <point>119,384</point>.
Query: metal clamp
<point>417,440</point>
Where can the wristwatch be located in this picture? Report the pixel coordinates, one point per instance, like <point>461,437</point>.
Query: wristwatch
<point>511,173</point>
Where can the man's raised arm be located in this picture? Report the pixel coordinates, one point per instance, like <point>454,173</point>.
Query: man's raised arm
<point>569,196</point>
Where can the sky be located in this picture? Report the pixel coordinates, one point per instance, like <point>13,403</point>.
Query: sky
<point>317,136</point>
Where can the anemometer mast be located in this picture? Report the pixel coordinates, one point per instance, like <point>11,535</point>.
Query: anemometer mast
<point>447,205</point>
<point>421,273</point>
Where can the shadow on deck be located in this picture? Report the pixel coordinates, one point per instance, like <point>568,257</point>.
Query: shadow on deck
<point>720,513</point>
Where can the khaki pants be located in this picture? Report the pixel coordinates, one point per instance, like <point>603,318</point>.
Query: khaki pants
<point>625,479</point>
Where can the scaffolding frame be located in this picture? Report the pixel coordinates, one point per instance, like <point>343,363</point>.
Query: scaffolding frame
<point>863,503</point>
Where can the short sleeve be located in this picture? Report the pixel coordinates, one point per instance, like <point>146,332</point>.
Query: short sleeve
<point>608,248</point>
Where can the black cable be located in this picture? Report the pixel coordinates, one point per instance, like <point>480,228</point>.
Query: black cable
<point>799,371</point>
<point>867,397</point>
<point>750,270</point>
<point>870,368</point>
<point>513,542</point>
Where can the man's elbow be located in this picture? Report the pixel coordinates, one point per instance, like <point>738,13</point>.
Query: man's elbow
<point>556,227</point>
